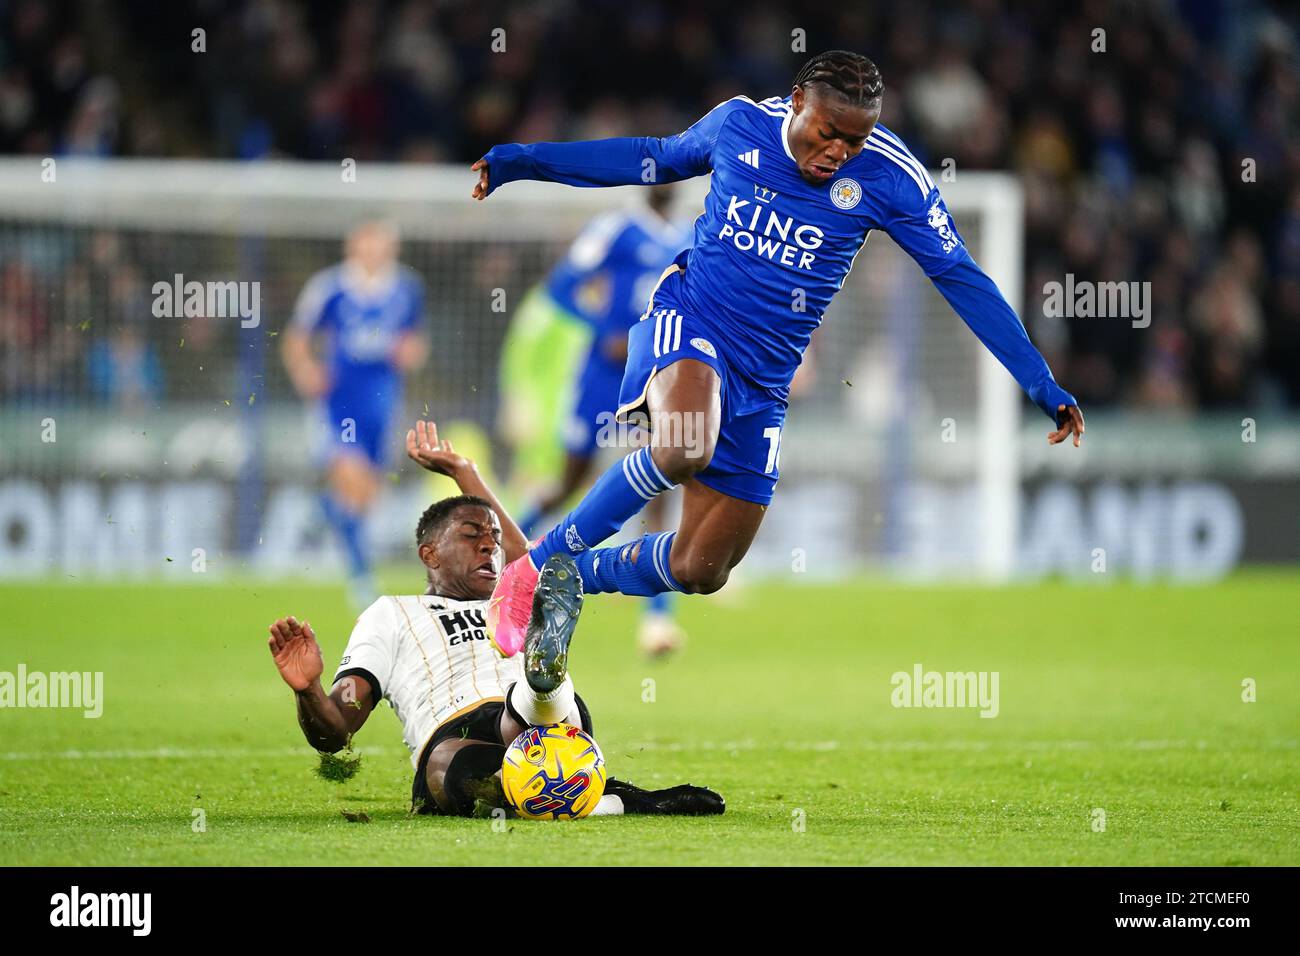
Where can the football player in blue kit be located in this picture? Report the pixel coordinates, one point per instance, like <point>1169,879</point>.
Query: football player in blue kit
<point>605,279</point>
<point>798,183</point>
<point>367,314</point>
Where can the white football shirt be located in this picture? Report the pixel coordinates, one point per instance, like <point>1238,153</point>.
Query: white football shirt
<point>430,657</point>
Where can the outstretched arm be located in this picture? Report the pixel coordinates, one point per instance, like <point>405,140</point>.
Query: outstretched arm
<point>976,298</point>
<point>624,161</point>
<point>424,448</point>
<point>328,722</point>
<point>628,161</point>
<point>922,226</point>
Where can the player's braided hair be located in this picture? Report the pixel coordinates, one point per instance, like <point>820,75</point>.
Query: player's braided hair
<point>851,75</point>
<point>438,513</point>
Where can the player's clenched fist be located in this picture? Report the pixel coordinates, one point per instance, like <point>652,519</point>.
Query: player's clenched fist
<point>296,653</point>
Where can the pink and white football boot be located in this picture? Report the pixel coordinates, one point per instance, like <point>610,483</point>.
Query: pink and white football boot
<point>511,606</point>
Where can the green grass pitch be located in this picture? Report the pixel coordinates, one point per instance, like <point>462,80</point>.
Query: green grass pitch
<point>1124,699</point>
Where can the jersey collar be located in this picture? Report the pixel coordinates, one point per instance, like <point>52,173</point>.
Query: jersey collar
<point>785,133</point>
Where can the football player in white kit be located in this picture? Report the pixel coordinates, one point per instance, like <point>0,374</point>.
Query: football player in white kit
<point>459,701</point>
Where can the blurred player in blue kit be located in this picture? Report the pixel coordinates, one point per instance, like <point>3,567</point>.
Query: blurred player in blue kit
<point>357,330</point>
<point>605,280</point>
<point>798,183</point>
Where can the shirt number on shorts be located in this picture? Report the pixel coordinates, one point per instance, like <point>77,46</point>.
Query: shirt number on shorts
<point>773,436</point>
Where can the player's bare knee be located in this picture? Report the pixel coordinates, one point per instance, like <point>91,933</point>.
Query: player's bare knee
<point>680,462</point>
<point>698,575</point>
<point>461,772</point>
<point>435,778</point>
<point>706,582</point>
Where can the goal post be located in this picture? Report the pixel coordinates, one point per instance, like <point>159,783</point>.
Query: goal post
<point>1001,212</point>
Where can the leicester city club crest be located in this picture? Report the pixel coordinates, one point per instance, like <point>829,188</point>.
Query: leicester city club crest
<point>845,193</point>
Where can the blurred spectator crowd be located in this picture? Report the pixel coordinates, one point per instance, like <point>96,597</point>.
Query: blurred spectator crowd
<point>1164,148</point>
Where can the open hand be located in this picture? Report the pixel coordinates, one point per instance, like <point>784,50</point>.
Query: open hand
<point>424,448</point>
<point>296,652</point>
<point>1073,425</point>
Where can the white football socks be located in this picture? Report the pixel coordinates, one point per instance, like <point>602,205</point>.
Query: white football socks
<point>541,709</point>
<point>610,805</point>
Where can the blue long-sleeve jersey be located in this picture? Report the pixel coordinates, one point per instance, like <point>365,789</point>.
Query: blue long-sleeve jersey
<point>609,271</point>
<point>362,325</point>
<point>771,250</point>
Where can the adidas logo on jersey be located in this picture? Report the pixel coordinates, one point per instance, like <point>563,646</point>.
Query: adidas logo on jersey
<point>750,157</point>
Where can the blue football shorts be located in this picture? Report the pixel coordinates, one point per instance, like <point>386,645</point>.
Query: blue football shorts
<point>746,461</point>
